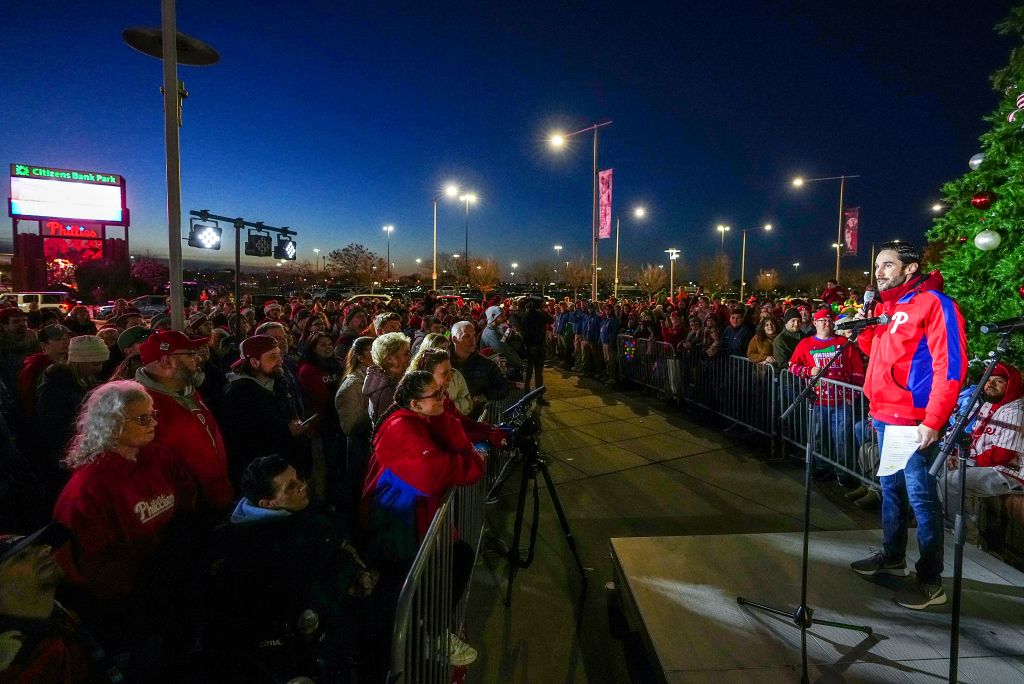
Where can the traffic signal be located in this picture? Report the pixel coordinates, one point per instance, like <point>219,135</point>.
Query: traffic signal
<point>204,235</point>
<point>285,249</point>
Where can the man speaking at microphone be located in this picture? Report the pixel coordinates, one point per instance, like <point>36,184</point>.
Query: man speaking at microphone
<point>916,364</point>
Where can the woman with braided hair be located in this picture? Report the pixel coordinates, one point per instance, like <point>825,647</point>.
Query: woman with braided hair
<point>419,453</point>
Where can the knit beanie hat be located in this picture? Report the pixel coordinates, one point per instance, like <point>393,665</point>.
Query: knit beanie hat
<point>87,349</point>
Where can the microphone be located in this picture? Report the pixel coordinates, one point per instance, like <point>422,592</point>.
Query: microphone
<point>862,323</point>
<point>1004,326</point>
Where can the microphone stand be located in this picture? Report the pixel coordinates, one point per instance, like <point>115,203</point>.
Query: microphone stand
<point>958,437</point>
<point>803,616</point>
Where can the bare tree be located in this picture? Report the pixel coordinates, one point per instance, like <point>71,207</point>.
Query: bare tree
<point>539,272</point>
<point>714,272</point>
<point>652,279</point>
<point>767,280</point>
<point>357,263</point>
<point>484,274</point>
<point>577,275</point>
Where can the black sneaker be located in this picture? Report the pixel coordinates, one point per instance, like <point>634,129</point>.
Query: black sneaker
<point>918,595</point>
<point>878,564</point>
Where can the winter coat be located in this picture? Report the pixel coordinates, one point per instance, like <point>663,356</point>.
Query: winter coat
<point>917,361</point>
<point>352,405</point>
<point>415,461</point>
<point>189,429</point>
<point>379,390</point>
<point>254,425</point>
<point>760,348</point>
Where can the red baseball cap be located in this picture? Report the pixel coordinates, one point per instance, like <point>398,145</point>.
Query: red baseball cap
<point>253,348</point>
<point>823,313</point>
<point>163,342</point>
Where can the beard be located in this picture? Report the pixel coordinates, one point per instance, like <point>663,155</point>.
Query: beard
<point>890,283</point>
<point>992,397</point>
<point>194,378</point>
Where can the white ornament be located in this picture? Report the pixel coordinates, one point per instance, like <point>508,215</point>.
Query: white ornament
<point>987,240</point>
<point>976,160</point>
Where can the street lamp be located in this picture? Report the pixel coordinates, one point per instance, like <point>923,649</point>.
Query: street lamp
<point>796,265</point>
<point>673,254</point>
<point>316,261</point>
<point>514,267</point>
<point>451,191</point>
<point>468,198</point>
<point>558,141</point>
<point>723,230</point>
<point>743,259</point>
<point>798,182</point>
<point>639,213</point>
<point>455,274</point>
<point>937,208</point>
<point>389,230</point>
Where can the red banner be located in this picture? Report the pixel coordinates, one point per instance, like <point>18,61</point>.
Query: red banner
<point>851,230</point>
<point>604,211</point>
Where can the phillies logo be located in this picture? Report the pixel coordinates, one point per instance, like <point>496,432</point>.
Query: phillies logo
<point>898,319</point>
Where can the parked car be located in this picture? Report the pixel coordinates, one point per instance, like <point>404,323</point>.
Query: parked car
<point>447,290</point>
<point>386,298</point>
<point>45,300</point>
<point>148,306</point>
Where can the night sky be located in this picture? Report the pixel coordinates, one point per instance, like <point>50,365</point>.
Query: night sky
<point>337,118</point>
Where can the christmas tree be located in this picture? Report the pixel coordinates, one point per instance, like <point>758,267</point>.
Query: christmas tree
<point>977,243</point>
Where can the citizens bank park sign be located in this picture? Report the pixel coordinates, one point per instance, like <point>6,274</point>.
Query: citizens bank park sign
<point>40,193</point>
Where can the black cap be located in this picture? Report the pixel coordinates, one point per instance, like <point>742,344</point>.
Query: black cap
<point>53,535</point>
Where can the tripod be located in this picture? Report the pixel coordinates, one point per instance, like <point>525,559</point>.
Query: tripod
<point>532,465</point>
<point>958,437</point>
<point>803,615</point>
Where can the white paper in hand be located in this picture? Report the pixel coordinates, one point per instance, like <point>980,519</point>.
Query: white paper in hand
<point>899,445</point>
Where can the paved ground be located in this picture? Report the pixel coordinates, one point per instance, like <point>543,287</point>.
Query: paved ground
<point>626,465</point>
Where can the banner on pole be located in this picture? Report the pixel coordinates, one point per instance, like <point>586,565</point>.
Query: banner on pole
<point>851,230</point>
<point>604,212</point>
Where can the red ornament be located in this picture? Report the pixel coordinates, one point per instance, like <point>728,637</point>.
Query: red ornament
<point>983,200</point>
<point>962,239</point>
<point>1020,291</point>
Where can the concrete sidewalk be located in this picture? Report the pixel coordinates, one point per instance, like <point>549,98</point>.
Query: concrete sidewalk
<point>625,464</point>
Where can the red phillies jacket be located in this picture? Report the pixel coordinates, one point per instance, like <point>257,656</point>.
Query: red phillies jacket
<point>187,427</point>
<point>918,361</point>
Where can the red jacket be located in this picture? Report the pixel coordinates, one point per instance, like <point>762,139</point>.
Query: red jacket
<point>28,379</point>
<point>116,510</point>
<point>187,427</point>
<point>996,439</point>
<point>414,463</point>
<point>918,361</point>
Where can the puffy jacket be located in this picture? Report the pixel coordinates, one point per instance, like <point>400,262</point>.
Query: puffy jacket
<point>918,360</point>
<point>415,461</point>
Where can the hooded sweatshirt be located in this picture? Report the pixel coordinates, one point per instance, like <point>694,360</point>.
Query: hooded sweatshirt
<point>917,361</point>
<point>379,391</point>
<point>997,440</point>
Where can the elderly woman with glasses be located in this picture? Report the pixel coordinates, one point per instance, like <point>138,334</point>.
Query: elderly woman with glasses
<point>123,494</point>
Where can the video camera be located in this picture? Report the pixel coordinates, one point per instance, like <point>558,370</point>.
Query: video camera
<point>521,423</point>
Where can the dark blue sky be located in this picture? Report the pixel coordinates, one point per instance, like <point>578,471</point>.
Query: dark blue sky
<point>337,118</point>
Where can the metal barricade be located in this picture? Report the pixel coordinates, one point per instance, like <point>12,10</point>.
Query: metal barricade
<point>419,642</point>
<point>649,363</point>
<point>733,387</point>
<point>844,438</point>
<point>419,648</point>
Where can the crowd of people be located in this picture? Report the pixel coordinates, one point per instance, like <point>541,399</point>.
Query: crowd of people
<point>200,493</point>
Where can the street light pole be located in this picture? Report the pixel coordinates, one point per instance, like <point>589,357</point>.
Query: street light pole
<point>388,230</point>
<point>451,190</point>
<point>743,259</point>
<point>316,262</point>
<point>638,212</point>
<point>673,254</point>
<point>467,198</point>
<point>558,140</point>
<point>798,182</point>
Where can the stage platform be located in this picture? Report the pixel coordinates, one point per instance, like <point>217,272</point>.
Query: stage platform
<point>679,594</point>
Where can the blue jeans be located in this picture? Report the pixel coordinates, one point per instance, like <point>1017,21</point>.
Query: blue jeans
<point>914,488</point>
<point>830,423</point>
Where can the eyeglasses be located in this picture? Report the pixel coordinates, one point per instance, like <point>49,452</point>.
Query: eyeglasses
<point>436,395</point>
<point>145,419</point>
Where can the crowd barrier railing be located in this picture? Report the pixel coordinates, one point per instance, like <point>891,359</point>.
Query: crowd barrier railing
<point>649,363</point>
<point>844,438</point>
<point>424,615</point>
<point>755,395</point>
<point>733,387</point>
